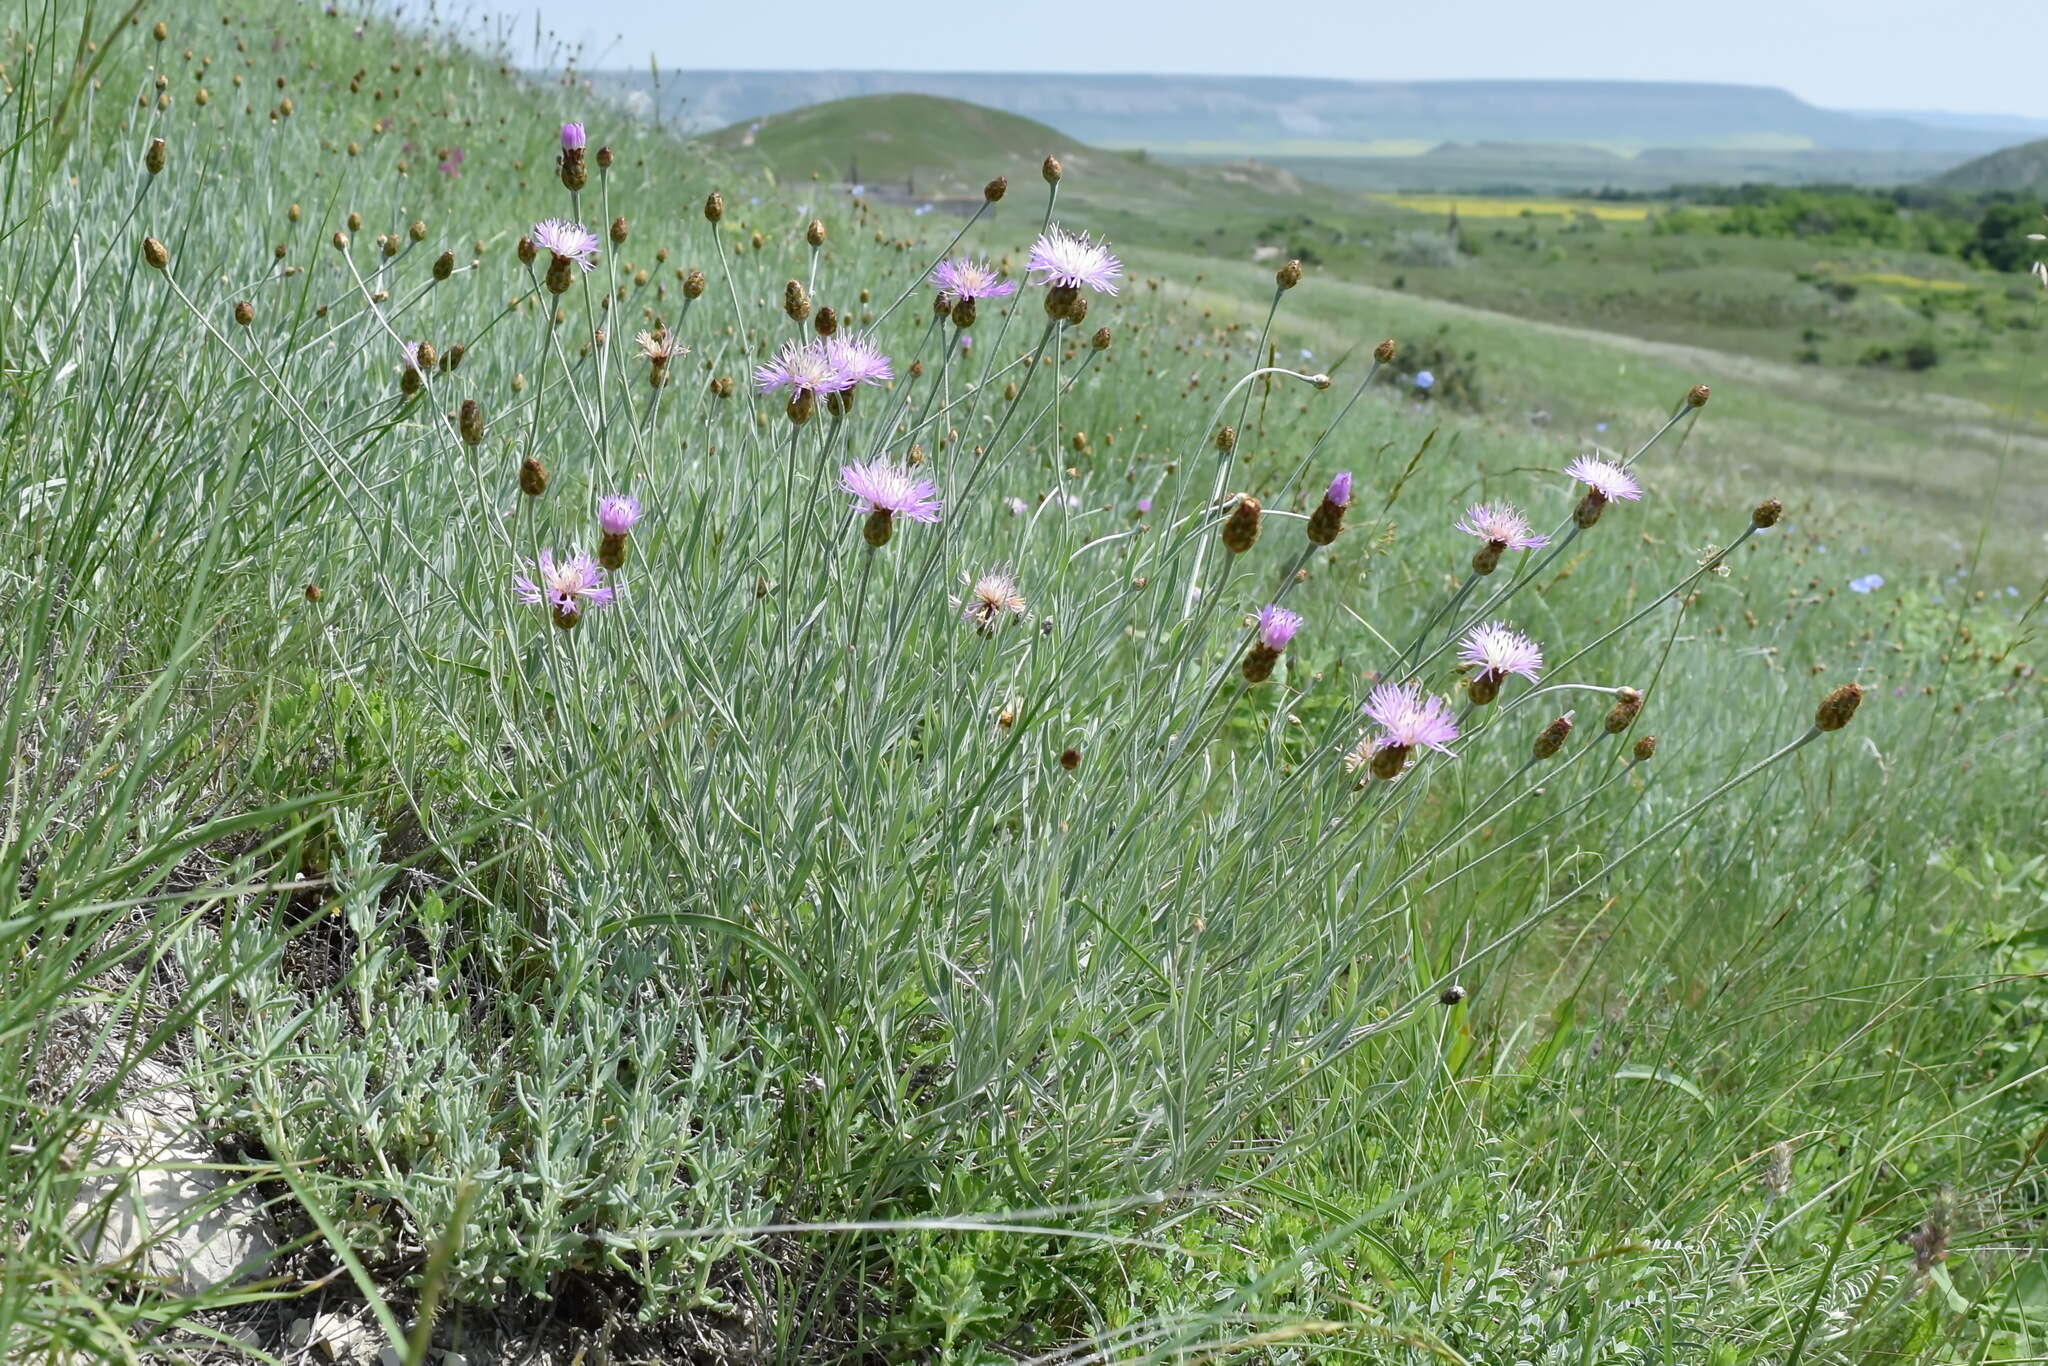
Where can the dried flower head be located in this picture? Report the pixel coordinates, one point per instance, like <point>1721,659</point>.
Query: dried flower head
<point>660,346</point>
<point>989,599</point>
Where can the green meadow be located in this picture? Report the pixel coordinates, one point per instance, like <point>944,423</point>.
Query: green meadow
<point>757,955</point>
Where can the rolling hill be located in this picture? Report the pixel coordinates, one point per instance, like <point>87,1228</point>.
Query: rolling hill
<point>2024,167</point>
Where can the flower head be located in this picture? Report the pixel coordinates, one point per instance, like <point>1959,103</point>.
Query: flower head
<point>572,137</point>
<point>1497,650</point>
<point>1866,583</point>
<point>1407,718</point>
<point>1059,257</point>
<point>409,357</point>
<point>1340,489</point>
<point>803,368</point>
<point>858,359</point>
<point>1610,481</point>
<point>616,514</point>
<point>879,486</point>
<point>1500,524</point>
<point>964,278</point>
<point>566,586</point>
<point>567,241</point>
<point>989,598</point>
<point>1277,626</point>
<point>1424,380</point>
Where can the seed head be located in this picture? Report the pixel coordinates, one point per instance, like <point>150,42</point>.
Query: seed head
<point>1553,736</point>
<point>1050,169</point>
<point>1838,707</point>
<point>155,254</point>
<point>1628,704</point>
<point>1288,276</point>
<point>1241,528</point>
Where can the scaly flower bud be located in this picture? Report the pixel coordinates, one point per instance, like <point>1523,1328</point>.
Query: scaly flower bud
<point>470,422</point>
<point>1241,528</point>
<point>1288,276</point>
<point>1327,522</point>
<point>1050,169</point>
<point>1767,514</point>
<point>1628,704</point>
<point>533,478</point>
<point>1553,737</point>
<point>1838,707</point>
<point>994,191</point>
<point>155,254</point>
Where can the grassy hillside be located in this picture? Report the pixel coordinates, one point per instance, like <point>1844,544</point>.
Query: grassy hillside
<point>952,921</point>
<point>2022,168</point>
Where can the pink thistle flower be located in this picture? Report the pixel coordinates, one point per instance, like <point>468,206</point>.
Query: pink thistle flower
<point>409,357</point>
<point>1277,626</point>
<point>1340,490</point>
<point>566,587</point>
<point>879,486</point>
<point>989,599</point>
<point>1062,259</point>
<point>1610,481</point>
<point>451,165</point>
<point>805,369</point>
<point>572,137</point>
<point>1501,524</point>
<point>1497,650</point>
<point>1406,719</point>
<point>616,514</point>
<point>963,278</point>
<point>858,359</point>
<point>566,241</point>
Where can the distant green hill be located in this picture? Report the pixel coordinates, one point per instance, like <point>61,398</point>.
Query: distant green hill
<point>2024,167</point>
<point>922,147</point>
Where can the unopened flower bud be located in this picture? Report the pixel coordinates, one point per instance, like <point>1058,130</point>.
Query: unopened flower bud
<point>454,357</point>
<point>1100,341</point>
<point>1326,523</point>
<point>1553,737</point>
<point>1696,397</point>
<point>1628,704</point>
<point>1226,439</point>
<point>1838,706</point>
<point>153,159</point>
<point>618,233</point>
<point>444,265</point>
<point>1050,169</point>
<point>994,191</point>
<point>693,284</point>
<point>1767,514</point>
<point>1241,528</point>
<point>525,251</point>
<point>1288,276</point>
<point>795,302</point>
<point>1384,352</point>
<point>313,593</point>
<point>1070,759</point>
<point>815,233</point>
<point>604,157</point>
<point>1451,995</point>
<point>339,241</point>
<point>825,321</point>
<point>1645,747</point>
<point>416,230</point>
<point>154,252</point>
<point>160,32</point>
<point>470,422</point>
<point>533,478</point>
<point>714,207</point>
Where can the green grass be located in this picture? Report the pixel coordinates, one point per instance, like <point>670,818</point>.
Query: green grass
<point>774,967</point>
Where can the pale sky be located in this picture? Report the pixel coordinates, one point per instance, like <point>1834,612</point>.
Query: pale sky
<point>1977,56</point>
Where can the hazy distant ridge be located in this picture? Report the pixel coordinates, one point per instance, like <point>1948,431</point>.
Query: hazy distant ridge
<point>1164,110</point>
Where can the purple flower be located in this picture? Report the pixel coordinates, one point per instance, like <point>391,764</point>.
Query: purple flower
<point>1866,583</point>
<point>1501,524</point>
<point>1277,626</point>
<point>566,240</point>
<point>963,278</point>
<point>803,368</point>
<point>989,599</point>
<point>1144,505</point>
<point>452,163</point>
<point>1406,718</point>
<point>616,514</point>
<point>1497,650</point>
<point>1424,380</point>
<point>1610,481</point>
<point>879,486</point>
<point>858,359</point>
<point>564,585</point>
<point>1058,257</point>
<point>1340,490</point>
<point>409,357</point>
<point>572,137</point>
